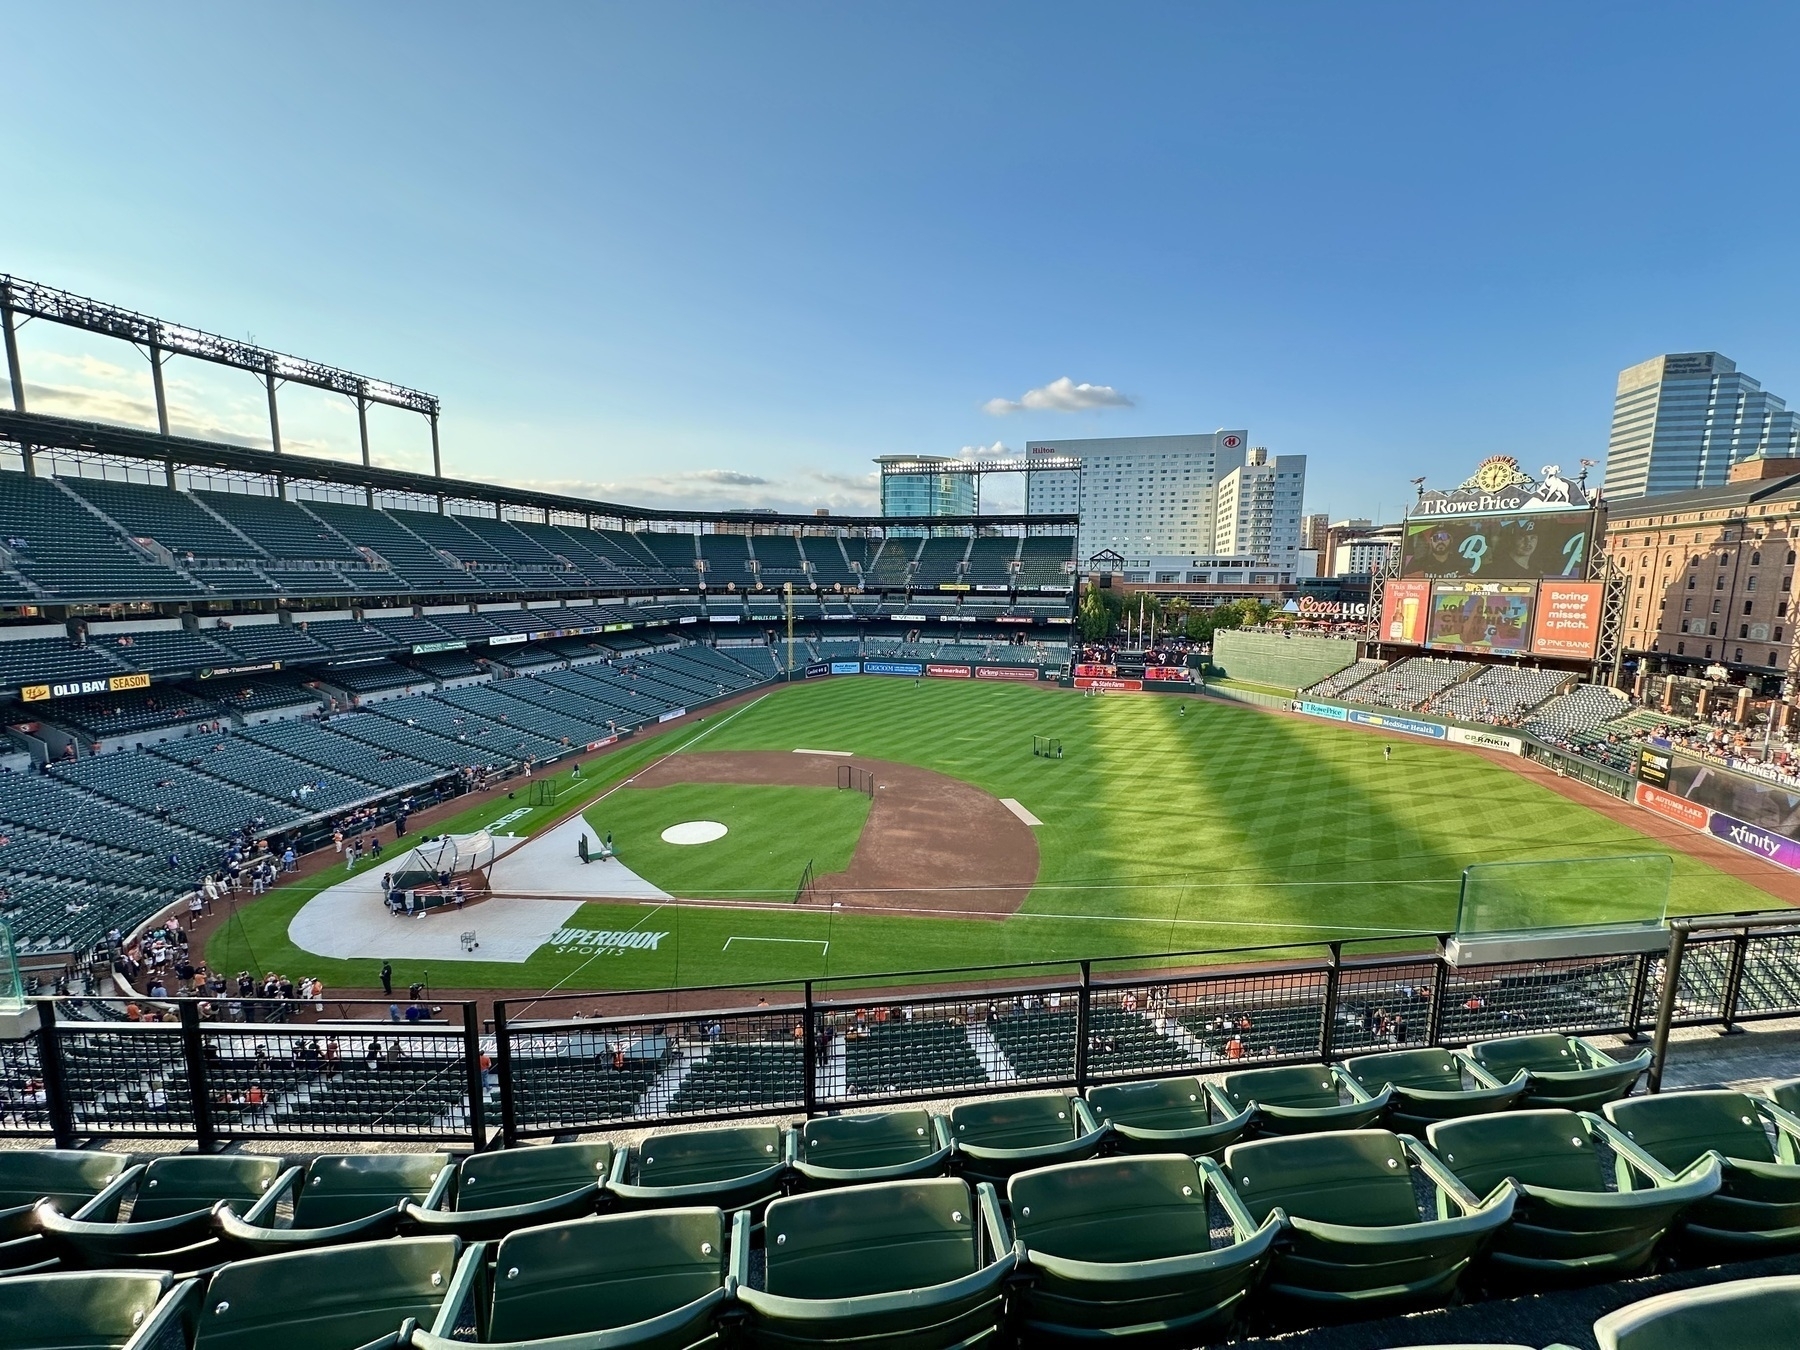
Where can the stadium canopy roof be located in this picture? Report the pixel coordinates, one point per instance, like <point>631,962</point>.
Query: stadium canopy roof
<point>63,433</point>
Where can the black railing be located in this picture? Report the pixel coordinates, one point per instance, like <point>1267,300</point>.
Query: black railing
<point>563,1064</point>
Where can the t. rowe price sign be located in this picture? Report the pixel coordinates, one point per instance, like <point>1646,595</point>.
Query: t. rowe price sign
<point>1100,683</point>
<point>948,672</point>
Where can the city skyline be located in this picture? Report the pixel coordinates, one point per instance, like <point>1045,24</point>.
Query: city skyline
<point>636,261</point>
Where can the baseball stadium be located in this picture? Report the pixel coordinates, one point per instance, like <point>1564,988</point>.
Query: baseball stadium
<point>372,840</point>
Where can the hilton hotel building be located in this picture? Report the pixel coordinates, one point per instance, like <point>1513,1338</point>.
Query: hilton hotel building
<point>1140,496</point>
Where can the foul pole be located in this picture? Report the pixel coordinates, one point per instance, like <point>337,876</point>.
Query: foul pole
<point>787,590</point>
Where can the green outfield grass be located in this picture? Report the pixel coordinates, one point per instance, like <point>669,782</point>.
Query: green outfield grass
<point>1169,824</point>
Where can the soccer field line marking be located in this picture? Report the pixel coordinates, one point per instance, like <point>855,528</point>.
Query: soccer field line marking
<point>847,754</point>
<point>823,945</point>
<point>1011,804</point>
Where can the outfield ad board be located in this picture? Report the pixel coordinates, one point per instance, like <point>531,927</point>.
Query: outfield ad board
<point>1411,726</point>
<point>818,668</point>
<point>1102,684</point>
<point>1403,611</point>
<point>938,672</point>
<point>1765,843</point>
<point>1327,710</point>
<point>1487,740</point>
<point>846,667</point>
<point>1021,673</point>
<point>1568,619</point>
<point>913,668</point>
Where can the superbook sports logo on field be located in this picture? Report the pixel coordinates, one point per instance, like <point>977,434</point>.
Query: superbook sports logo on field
<point>604,941</point>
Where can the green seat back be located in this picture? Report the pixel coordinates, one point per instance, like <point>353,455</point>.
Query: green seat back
<point>1547,1053</point>
<point>1357,1177</point>
<point>100,1310</point>
<point>1431,1070</point>
<point>1162,1104</point>
<point>1015,1122</point>
<point>1550,1149</point>
<point>596,1274</point>
<point>326,1298</point>
<point>1677,1127</point>
<point>851,1142</point>
<point>340,1188</point>
<point>705,1157</point>
<point>1308,1087</point>
<point>523,1176</point>
<point>1786,1095</point>
<point>68,1178</point>
<point>876,1239</point>
<point>1762,1312</point>
<point>184,1183</point>
<point>1112,1209</point>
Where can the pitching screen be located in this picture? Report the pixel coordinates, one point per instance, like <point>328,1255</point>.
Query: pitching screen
<point>1480,616</point>
<point>1520,546</point>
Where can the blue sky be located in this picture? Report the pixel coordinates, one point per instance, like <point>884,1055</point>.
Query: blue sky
<point>725,254</point>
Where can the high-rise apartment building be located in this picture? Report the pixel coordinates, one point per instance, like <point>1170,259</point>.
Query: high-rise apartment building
<point>921,492</point>
<point>1258,510</point>
<point>1138,495</point>
<point>1681,421</point>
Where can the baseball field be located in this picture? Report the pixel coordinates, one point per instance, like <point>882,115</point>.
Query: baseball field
<point>876,824</point>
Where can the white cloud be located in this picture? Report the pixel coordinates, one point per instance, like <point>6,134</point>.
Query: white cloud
<point>729,490</point>
<point>1062,396</point>
<point>998,450</point>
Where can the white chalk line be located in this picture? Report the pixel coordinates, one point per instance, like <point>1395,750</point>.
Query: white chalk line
<point>846,754</point>
<point>1011,804</point>
<point>822,945</point>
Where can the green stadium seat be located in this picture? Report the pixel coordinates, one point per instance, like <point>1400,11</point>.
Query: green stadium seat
<point>344,1197</point>
<point>1299,1100</point>
<point>1118,1248</point>
<point>650,1281</point>
<point>69,1179</point>
<point>1356,1242</point>
<point>171,1221</point>
<point>1786,1095</point>
<point>1761,1312</point>
<point>1757,1208</point>
<point>1433,1085</point>
<point>1168,1115</point>
<point>994,1139</point>
<point>96,1310</point>
<point>354,1297</point>
<point>741,1167</point>
<point>499,1192</point>
<point>906,1265</point>
<point>1567,1223</point>
<point>1566,1071</point>
<point>856,1150</point>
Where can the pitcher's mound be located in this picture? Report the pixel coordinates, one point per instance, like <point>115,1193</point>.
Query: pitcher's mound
<point>694,832</point>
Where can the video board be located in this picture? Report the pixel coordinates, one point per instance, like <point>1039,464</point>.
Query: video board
<point>1512,546</point>
<point>1481,616</point>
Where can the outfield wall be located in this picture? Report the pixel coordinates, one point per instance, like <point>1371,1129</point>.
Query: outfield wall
<point>1285,662</point>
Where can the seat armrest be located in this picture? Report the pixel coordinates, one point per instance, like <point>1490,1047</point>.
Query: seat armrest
<point>1450,1186</point>
<point>1786,1123</point>
<point>621,1159</point>
<point>940,1129</point>
<point>1472,1067</point>
<point>177,1312</point>
<point>434,1198</point>
<point>465,1281</point>
<point>104,1207</point>
<point>790,1145</point>
<point>998,1243</point>
<point>740,1248</point>
<point>1243,1222</point>
<point>1632,1156</point>
<point>1347,1081</point>
<point>1223,1105</point>
<point>262,1213</point>
<point>1084,1117</point>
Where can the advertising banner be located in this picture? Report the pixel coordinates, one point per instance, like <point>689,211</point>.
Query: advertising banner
<point>1097,671</point>
<point>454,645</point>
<point>214,672</point>
<point>846,667</point>
<point>1331,710</point>
<point>36,693</point>
<point>914,668</point>
<point>1653,766</point>
<point>1668,804</point>
<point>672,714</point>
<point>1568,619</point>
<point>1403,608</point>
<point>818,668</point>
<point>602,743</point>
<point>506,639</point>
<point>1165,673</point>
<point>947,672</point>
<point>1412,726</point>
<point>1006,673</point>
<point>1487,740</point>
<point>1102,683</point>
<point>1480,616</point>
<point>1776,848</point>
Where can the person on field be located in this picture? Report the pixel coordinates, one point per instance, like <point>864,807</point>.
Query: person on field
<point>1387,754</point>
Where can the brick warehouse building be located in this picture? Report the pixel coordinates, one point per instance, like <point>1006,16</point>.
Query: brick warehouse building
<point>1712,575</point>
